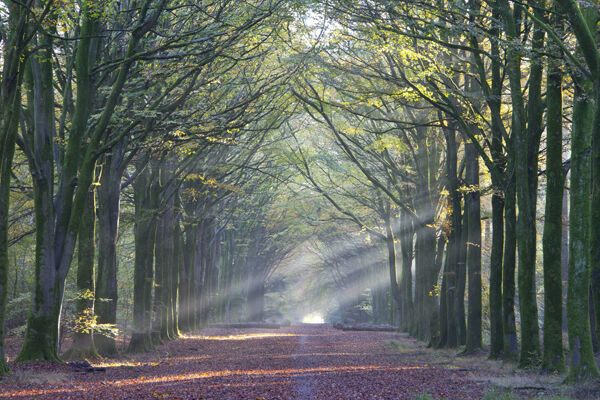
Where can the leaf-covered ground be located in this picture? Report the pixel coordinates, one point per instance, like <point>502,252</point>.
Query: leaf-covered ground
<point>298,362</point>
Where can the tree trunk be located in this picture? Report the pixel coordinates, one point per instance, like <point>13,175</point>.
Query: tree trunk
<point>144,232</point>
<point>462,280</point>
<point>452,251</point>
<point>83,339</point>
<point>108,226</point>
<point>391,250</point>
<point>443,312</point>
<point>10,99</point>
<point>553,360</point>
<point>198,272</point>
<point>188,298</point>
<point>509,327</point>
<point>496,331</point>
<point>474,340</point>
<point>582,363</point>
<point>406,244</point>
<point>159,318</point>
<point>41,336</point>
<point>179,277</point>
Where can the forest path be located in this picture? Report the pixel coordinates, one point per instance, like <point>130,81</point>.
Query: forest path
<point>297,362</point>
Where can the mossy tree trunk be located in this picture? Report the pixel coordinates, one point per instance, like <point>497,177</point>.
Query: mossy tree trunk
<point>584,20</point>
<point>83,338</point>
<point>41,336</point>
<point>553,359</point>
<point>584,236</point>
<point>159,312</point>
<point>144,233</point>
<point>108,227</point>
<point>582,363</point>
<point>509,262</point>
<point>13,58</point>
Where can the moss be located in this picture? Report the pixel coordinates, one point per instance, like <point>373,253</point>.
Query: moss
<point>106,346</point>
<point>4,368</point>
<point>40,341</point>
<point>582,364</point>
<point>79,353</point>
<point>140,343</point>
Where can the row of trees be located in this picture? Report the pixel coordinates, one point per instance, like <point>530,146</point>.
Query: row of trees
<point>161,106</point>
<point>432,105</point>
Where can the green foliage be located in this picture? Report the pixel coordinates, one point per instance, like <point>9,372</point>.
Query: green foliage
<point>86,321</point>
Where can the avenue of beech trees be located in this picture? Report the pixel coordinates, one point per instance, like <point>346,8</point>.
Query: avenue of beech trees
<point>169,165</point>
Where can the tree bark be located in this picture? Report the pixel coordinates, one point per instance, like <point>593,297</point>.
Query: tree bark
<point>144,232</point>
<point>10,99</point>
<point>553,359</point>
<point>109,195</point>
<point>582,364</point>
<point>454,234</point>
<point>406,244</point>
<point>83,339</point>
<point>509,327</point>
<point>474,340</point>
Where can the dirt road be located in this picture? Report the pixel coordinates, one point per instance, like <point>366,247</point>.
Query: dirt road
<point>297,362</point>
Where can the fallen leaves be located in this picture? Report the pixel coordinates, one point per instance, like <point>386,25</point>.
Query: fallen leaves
<point>300,362</point>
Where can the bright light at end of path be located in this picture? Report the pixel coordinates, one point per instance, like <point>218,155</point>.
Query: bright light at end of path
<point>313,318</point>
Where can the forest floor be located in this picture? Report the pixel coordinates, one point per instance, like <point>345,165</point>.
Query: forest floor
<point>296,362</point>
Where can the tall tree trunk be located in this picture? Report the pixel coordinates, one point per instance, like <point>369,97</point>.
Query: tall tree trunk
<point>462,279</point>
<point>199,271</point>
<point>474,340</point>
<point>496,150</point>
<point>406,244</point>
<point>41,336</point>
<point>167,253</point>
<point>179,278</point>
<point>452,252</point>
<point>443,308</point>
<point>83,339</point>
<point>10,99</point>
<point>144,233</point>
<point>391,251</point>
<point>582,363</point>
<point>188,314</point>
<point>509,327</point>
<point>108,226</point>
<point>553,359</point>
<point>496,330</point>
